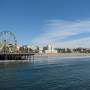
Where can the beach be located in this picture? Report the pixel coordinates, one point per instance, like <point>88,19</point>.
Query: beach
<point>65,55</point>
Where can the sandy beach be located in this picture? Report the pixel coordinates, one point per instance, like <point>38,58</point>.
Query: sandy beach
<point>64,55</point>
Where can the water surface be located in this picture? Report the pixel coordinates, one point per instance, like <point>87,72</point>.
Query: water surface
<point>46,74</point>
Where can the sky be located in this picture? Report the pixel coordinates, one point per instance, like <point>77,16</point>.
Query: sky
<point>62,23</point>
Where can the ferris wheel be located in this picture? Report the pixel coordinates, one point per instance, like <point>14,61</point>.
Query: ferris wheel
<point>8,39</point>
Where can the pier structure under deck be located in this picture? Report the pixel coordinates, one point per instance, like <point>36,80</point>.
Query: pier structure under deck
<point>16,56</point>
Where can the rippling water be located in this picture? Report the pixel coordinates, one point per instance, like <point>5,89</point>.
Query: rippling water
<point>46,74</point>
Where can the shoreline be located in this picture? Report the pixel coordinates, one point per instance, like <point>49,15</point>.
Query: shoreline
<point>64,54</point>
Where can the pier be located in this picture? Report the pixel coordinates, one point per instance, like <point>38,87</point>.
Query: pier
<point>9,48</point>
<point>16,56</point>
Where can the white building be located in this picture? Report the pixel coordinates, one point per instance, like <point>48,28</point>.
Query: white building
<point>40,50</point>
<point>50,49</point>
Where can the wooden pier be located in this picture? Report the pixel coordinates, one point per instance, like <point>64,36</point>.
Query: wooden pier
<point>16,56</point>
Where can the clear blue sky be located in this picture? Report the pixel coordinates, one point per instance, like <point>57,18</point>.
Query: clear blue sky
<point>27,18</point>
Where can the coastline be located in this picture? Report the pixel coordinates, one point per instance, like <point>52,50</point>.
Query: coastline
<point>64,55</point>
<point>46,56</point>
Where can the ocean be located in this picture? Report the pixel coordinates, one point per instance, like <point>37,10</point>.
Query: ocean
<point>46,74</point>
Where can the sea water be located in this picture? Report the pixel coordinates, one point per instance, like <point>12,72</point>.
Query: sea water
<point>46,74</point>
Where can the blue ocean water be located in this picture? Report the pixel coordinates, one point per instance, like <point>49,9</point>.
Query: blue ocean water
<point>46,74</point>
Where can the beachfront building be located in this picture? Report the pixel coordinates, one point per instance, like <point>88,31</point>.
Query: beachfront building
<point>50,49</point>
<point>40,50</point>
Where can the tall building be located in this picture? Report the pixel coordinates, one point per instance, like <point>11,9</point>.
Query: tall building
<point>50,49</point>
